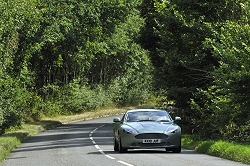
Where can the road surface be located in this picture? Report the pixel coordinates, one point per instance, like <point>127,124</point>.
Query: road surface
<point>90,143</point>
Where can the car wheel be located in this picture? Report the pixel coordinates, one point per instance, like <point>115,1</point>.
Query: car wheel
<point>121,149</point>
<point>116,145</point>
<point>177,150</point>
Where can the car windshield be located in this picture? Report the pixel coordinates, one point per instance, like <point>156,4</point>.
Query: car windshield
<point>136,116</point>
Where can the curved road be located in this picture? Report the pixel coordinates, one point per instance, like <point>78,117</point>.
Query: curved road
<point>90,143</point>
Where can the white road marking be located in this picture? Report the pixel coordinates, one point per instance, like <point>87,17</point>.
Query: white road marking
<point>101,151</point>
<point>110,157</point>
<point>97,147</point>
<point>122,162</point>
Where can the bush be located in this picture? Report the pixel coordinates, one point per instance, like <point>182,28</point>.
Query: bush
<point>130,90</point>
<point>9,116</point>
<point>1,120</point>
<point>51,108</point>
<point>74,98</point>
<point>17,105</point>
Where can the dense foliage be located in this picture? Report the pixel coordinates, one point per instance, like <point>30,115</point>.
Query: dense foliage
<point>66,57</point>
<point>203,63</point>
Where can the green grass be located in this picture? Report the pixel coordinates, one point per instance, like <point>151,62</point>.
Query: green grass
<point>9,142</point>
<point>11,139</point>
<point>227,150</point>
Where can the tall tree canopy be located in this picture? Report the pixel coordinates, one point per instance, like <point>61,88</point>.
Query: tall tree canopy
<point>51,51</point>
<point>201,48</point>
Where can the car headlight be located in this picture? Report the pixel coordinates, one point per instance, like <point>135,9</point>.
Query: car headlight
<point>129,131</point>
<point>172,130</point>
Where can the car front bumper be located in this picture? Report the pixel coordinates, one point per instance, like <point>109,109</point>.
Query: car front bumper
<point>132,141</point>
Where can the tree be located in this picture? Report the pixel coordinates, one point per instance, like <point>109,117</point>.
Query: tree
<point>229,94</point>
<point>14,77</point>
<point>183,65</point>
<point>197,74</point>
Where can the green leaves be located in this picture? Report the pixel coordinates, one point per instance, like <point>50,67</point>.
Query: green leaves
<point>201,54</point>
<point>47,43</point>
<point>228,97</point>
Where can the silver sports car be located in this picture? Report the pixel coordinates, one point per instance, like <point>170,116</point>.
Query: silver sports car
<point>147,129</point>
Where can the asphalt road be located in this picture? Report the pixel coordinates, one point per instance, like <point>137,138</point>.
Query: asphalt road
<point>90,143</point>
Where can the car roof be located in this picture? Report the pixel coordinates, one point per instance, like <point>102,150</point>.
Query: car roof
<point>147,109</point>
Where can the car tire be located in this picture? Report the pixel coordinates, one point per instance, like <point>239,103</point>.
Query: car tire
<point>121,149</point>
<point>116,145</point>
<point>177,150</point>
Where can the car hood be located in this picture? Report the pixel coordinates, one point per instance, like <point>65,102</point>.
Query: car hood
<point>153,127</point>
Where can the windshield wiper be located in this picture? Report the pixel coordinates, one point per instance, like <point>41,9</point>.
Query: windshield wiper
<point>145,120</point>
<point>164,121</point>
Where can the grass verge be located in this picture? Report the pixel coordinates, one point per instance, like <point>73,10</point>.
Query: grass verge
<point>227,150</point>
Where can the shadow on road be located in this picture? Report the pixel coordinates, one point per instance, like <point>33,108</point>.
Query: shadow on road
<point>63,136</point>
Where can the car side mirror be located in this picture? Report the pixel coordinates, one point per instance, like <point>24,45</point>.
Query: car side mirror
<point>116,119</point>
<point>177,119</point>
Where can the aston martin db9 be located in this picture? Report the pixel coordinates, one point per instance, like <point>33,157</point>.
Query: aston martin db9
<point>147,129</point>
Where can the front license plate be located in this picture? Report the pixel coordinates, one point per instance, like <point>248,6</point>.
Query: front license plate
<point>150,141</point>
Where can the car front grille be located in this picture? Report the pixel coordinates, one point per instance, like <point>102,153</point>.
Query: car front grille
<point>151,136</point>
